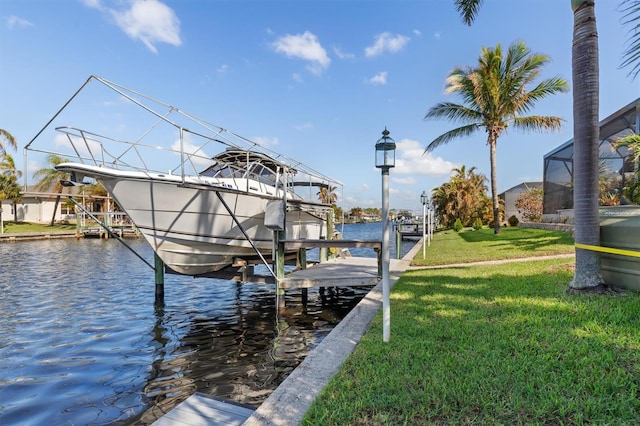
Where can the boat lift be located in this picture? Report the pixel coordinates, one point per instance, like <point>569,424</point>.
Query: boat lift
<point>207,133</point>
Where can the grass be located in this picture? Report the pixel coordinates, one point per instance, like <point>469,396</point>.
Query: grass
<point>493,345</point>
<point>26,227</point>
<point>472,246</point>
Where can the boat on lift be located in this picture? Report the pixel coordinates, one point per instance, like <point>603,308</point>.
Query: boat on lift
<point>226,213</point>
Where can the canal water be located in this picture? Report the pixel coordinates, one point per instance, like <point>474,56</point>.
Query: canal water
<point>82,342</point>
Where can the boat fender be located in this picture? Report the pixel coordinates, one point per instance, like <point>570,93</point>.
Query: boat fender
<point>274,215</point>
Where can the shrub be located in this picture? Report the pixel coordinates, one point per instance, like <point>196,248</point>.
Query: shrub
<point>457,226</point>
<point>513,220</point>
<point>477,224</point>
<point>529,204</point>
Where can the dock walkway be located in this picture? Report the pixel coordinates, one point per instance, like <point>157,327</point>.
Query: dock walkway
<point>339,272</point>
<point>12,237</point>
<point>200,409</point>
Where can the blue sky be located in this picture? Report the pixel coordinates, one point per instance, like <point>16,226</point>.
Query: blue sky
<point>315,80</point>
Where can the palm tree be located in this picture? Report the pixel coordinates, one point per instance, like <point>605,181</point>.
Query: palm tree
<point>6,136</point>
<point>327,195</point>
<point>495,96</point>
<point>50,180</point>
<point>586,138</point>
<point>463,197</point>
<point>586,74</point>
<point>8,166</point>
<point>9,188</point>
<point>8,169</point>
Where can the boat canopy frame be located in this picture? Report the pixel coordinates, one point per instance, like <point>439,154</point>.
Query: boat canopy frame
<point>194,137</point>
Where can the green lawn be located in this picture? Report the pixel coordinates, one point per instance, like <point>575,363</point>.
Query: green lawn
<point>24,227</point>
<point>471,246</point>
<point>492,345</point>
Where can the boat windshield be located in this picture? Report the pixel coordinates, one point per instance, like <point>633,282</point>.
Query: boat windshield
<point>237,164</point>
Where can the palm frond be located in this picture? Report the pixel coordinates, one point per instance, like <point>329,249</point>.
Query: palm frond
<point>453,112</point>
<point>537,123</point>
<point>468,9</point>
<point>9,138</point>
<point>631,16</point>
<point>452,134</point>
<point>8,166</point>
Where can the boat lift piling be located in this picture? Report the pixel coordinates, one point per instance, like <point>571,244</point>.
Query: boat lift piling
<point>159,269</point>
<point>158,266</point>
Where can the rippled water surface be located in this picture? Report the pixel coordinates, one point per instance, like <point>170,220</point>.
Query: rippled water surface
<point>83,343</point>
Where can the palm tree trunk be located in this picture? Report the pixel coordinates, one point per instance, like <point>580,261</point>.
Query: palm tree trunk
<point>586,136</point>
<point>55,209</point>
<point>494,185</point>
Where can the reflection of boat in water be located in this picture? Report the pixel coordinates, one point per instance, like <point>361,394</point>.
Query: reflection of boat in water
<point>206,213</point>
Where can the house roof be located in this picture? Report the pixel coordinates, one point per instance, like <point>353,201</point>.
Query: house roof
<point>523,186</point>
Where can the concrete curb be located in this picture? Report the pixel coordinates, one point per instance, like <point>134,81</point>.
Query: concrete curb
<point>287,405</point>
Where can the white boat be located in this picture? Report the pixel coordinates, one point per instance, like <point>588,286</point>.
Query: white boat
<point>197,223</point>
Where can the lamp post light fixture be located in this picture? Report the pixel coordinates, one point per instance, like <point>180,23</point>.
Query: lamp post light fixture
<point>385,159</point>
<point>424,198</point>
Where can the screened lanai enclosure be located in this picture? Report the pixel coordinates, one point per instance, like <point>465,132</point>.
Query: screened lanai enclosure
<point>615,172</point>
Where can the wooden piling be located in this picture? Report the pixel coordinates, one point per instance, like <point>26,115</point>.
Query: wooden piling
<point>159,269</point>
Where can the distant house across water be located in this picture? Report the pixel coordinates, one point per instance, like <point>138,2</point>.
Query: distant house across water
<point>38,207</point>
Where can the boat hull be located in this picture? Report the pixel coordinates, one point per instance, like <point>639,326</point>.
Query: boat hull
<point>192,231</point>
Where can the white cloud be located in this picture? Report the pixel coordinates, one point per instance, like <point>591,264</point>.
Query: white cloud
<point>386,42</point>
<point>342,55</point>
<point>437,35</point>
<point>223,69</point>
<point>17,22</point>
<point>306,47</point>
<point>94,4</point>
<point>197,156</point>
<point>378,79</point>
<point>149,21</point>
<point>409,180</point>
<point>411,159</point>
<point>73,143</point>
<point>305,126</point>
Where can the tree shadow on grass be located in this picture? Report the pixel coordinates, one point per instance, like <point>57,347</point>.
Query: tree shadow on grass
<point>511,337</point>
<point>526,239</point>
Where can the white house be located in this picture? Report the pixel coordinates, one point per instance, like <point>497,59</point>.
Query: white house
<point>37,207</point>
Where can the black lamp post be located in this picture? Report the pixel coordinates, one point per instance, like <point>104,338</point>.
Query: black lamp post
<point>385,159</point>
